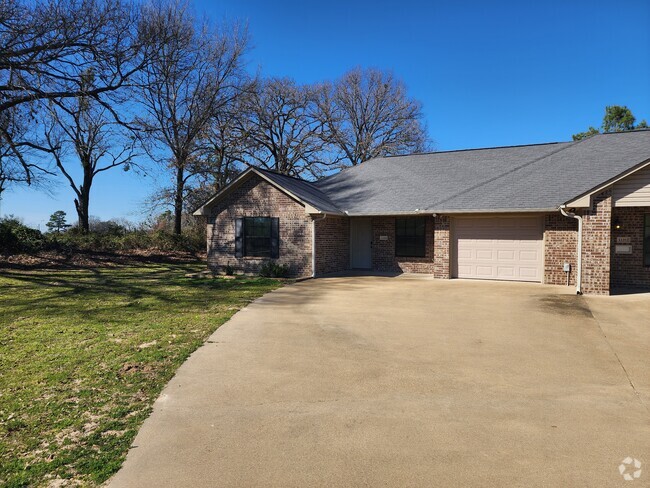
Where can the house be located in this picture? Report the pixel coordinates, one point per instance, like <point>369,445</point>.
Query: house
<point>573,213</point>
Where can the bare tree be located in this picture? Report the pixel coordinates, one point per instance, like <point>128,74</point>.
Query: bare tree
<point>221,157</point>
<point>367,113</point>
<point>46,46</point>
<point>195,71</point>
<point>81,131</point>
<point>21,156</point>
<point>224,148</point>
<point>283,132</point>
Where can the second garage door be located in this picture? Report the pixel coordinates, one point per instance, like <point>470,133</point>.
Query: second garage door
<point>498,248</point>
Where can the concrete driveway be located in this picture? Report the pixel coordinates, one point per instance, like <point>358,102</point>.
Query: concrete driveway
<point>407,381</point>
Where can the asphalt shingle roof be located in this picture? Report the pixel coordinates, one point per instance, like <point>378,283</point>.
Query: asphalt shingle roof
<point>533,177</point>
<point>306,191</point>
<point>514,178</point>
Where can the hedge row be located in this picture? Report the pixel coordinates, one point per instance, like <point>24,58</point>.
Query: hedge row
<point>15,237</point>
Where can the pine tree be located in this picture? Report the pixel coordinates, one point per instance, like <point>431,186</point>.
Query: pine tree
<point>57,222</point>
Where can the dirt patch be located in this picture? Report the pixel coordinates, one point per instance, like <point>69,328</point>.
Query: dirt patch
<point>574,305</point>
<point>132,368</point>
<point>60,483</point>
<point>145,345</point>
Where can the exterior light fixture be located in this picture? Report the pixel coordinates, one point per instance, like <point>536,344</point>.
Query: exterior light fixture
<point>617,224</point>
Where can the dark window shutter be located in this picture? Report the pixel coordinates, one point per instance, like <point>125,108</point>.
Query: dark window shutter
<point>239,238</point>
<point>275,237</point>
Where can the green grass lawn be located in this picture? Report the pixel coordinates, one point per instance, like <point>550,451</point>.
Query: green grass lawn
<point>84,353</point>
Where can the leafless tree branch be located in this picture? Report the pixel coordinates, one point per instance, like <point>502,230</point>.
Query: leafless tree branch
<point>195,72</point>
<point>367,113</point>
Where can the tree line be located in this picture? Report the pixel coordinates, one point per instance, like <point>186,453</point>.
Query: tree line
<point>617,118</point>
<point>102,85</point>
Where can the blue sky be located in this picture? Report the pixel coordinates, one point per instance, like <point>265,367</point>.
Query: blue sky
<point>488,73</point>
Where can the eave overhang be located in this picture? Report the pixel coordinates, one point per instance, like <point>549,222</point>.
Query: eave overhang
<point>310,209</point>
<point>584,200</point>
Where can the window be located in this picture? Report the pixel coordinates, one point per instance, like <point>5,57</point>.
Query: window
<point>257,237</point>
<point>410,237</point>
<point>646,241</point>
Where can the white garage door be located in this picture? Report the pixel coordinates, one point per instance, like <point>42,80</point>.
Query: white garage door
<point>498,248</point>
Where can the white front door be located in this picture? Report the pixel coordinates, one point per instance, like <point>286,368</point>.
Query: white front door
<point>360,243</point>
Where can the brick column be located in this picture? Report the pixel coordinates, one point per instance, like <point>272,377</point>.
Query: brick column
<point>560,246</point>
<point>383,252</point>
<point>441,253</point>
<point>332,244</point>
<point>596,245</point>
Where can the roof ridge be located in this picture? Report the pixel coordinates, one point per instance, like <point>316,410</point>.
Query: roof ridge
<point>512,170</point>
<point>641,129</point>
<point>471,149</point>
<point>347,168</point>
<point>265,170</point>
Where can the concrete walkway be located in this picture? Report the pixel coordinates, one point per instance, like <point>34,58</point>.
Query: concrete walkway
<point>408,381</point>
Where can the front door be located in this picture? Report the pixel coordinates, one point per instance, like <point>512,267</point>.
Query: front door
<point>361,243</point>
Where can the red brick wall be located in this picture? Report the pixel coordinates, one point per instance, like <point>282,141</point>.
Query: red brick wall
<point>257,198</point>
<point>441,254</point>
<point>560,246</point>
<point>383,251</point>
<point>628,269</point>
<point>599,242</point>
<point>596,245</point>
<point>332,245</point>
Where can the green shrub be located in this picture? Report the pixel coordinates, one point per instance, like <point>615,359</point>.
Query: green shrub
<point>122,240</point>
<point>105,236</point>
<point>137,239</point>
<point>274,270</point>
<point>17,237</point>
<point>107,227</point>
<point>75,240</point>
<point>167,241</point>
<point>229,270</point>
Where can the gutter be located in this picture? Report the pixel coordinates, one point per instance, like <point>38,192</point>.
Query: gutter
<point>572,215</point>
<point>430,211</point>
<point>313,243</point>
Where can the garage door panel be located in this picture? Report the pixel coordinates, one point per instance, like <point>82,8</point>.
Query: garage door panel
<point>506,255</point>
<point>465,253</point>
<point>531,255</point>
<point>531,273</point>
<point>464,269</point>
<point>503,248</point>
<point>484,254</point>
<point>484,271</point>
<point>506,272</point>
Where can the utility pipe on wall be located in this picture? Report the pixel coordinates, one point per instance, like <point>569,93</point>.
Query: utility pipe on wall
<point>313,244</point>
<point>579,264</point>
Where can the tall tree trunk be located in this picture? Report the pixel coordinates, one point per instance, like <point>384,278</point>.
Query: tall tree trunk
<point>82,203</point>
<point>178,199</point>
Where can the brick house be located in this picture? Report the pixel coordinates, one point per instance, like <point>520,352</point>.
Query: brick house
<point>573,213</point>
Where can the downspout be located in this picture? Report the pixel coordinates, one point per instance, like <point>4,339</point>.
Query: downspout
<point>313,244</point>
<point>579,264</point>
